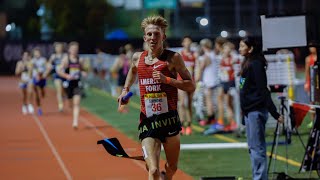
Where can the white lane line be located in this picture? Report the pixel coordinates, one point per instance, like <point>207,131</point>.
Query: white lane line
<point>213,146</point>
<point>103,135</point>
<point>53,149</point>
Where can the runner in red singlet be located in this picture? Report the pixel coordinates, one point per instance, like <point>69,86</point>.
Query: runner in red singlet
<point>227,80</point>
<point>185,98</point>
<point>157,69</point>
<point>310,62</point>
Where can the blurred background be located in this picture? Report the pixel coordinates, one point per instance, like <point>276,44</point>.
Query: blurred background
<point>109,24</point>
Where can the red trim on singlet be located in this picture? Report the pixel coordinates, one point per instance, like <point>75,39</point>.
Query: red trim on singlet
<point>188,56</point>
<point>189,60</point>
<point>145,72</point>
<point>312,60</point>
<point>226,65</point>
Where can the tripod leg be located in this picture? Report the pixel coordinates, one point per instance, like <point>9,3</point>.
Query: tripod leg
<point>275,151</point>
<point>315,145</point>
<point>296,130</point>
<point>287,142</point>
<point>273,144</point>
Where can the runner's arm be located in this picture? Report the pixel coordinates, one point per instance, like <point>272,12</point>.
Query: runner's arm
<point>202,66</point>
<point>61,68</point>
<point>115,65</point>
<point>18,68</point>
<point>51,58</point>
<point>131,76</point>
<point>83,70</point>
<point>307,75</point>
<point>133,71</point>
<point>48,69</point>
<point>186,84</point>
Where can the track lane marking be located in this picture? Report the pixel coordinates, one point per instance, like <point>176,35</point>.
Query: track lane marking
<point>52,148</point>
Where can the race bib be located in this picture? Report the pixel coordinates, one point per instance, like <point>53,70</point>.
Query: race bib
<point>24,77</point>
<point>224,76</point>
<point>75,72</point>
<point>156,103</point>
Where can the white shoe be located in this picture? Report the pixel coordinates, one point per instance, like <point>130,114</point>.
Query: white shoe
<point>60,107</point>
<point>75,124</point>
<point>30,109</point>
<point>24,110</point>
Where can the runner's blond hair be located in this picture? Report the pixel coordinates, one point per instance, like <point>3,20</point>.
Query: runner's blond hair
<point>155,20</point>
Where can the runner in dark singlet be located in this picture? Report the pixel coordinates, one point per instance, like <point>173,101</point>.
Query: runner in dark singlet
<point>157,70</point>
<point>55,61</point>
<point>121,66</point>
<point>71,70</point>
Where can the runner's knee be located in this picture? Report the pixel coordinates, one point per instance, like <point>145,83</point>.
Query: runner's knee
<point>154,171</point>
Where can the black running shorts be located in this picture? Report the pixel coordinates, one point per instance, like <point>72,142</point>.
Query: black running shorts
<point>159,126</point>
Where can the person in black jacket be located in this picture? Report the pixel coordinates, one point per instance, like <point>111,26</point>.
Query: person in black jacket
<point>255,103</point>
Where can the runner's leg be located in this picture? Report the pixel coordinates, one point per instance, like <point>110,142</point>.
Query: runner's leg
<point>151,148</point>
<point>172,150</point>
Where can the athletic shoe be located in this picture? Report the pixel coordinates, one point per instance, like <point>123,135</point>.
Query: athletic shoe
<point>183,131</point>
<point>188,131</point>
<point>213,129</point>
<point>75,127</point>
<point>75,124</point>
<point>39,112</point>
<point>60,107</point>
<point>30,109</point>
<point>203,122</point>
<point>231,127</point>
<point>24,110</point>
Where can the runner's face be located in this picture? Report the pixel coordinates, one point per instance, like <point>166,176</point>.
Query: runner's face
<point>313,50</point>
<point>36,54</point>
<point>154,37</point>
<point>73,50</point>
<point>186,43</point>
<point>25,56</point>
<point>227,50</point>
<point>243,49</point>
<point>59,48</point>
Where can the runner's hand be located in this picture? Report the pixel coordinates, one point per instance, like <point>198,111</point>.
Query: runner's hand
<point>281,119</point>
<point>123,93</point>
<point>157,75</point>
<point>69,77</point>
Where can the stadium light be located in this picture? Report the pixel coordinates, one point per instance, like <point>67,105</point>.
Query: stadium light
<point>242,33</point>
<point>41,10</point>
<point>8,27</point>
<point>224,34</point>
<point>204,22</point>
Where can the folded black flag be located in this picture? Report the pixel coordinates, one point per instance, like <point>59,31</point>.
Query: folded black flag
<point>113,147</point>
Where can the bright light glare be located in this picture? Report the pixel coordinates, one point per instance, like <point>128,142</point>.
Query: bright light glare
<point>242,33</point>
<point>198,19</point>
<point>8,27</point>
<point>224,34</point>
<point>204,22</point>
